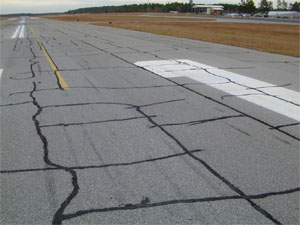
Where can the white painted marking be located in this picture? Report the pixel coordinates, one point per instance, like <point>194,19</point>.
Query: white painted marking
<point>279,99</point>
<point>22,32</point>
<point>16,32</point>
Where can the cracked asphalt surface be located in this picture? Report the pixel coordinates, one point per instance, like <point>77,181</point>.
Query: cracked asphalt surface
<point>126,146</point>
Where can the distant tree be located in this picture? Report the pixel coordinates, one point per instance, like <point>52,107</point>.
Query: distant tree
<point>284,4</point>
<point>230,8</point>
<point>296,7</point>
<point>247,6</point>
<point>279,4</point>
<point>152,7</point>
<point>265,6</point>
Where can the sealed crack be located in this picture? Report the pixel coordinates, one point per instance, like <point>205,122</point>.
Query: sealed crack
<point>237,190</point>
<point>57,219</point>
<point>196,122</point>
<point>252,88</point>
<point>147,204</point>
<point>105,165</point>
<point>94,122</point>
<point>14,104</point>
<point>285,125</point>
<point>59,213</point>
<point>31,60</point>
<point>239,84</point>
<point>210,169</point>
<point>139,109</point>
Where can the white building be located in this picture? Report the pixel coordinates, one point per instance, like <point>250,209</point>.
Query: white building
<point>284,14</point>
<point>208,9</point>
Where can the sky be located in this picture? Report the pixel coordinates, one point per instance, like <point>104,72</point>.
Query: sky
<point>46,6</point>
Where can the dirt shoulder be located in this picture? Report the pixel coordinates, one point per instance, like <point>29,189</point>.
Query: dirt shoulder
<point>273,38</point>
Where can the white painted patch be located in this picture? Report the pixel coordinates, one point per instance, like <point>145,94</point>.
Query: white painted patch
<point>22,32</point>
<point>277,99</point>
<point>16,32</point>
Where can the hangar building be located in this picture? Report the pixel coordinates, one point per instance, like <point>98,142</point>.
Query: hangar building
<point>208,9</point>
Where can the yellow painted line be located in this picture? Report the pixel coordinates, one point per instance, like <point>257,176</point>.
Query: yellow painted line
<point>61,80</point>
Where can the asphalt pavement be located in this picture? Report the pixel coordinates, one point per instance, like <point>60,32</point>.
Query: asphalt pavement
<point>110,126</point>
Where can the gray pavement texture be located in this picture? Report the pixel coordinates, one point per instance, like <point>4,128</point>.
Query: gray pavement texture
<point>126,146</point>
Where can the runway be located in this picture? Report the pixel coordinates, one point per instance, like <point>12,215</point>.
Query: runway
<point>110,126</point>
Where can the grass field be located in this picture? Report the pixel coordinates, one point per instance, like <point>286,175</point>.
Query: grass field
<point>274,38</point>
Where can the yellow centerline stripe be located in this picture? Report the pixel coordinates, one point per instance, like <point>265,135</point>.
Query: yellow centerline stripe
<point>61,80</point>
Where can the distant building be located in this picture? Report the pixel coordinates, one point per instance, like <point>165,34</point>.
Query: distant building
<point>208,9</point>
<point>284,14</point>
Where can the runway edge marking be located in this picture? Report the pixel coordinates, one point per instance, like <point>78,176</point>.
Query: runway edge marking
<point>280,100</point>
<point>62,83</point>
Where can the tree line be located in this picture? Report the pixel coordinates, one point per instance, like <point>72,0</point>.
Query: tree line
<point>248,6</point>
<point>152,7</point>
<point>245,6</point>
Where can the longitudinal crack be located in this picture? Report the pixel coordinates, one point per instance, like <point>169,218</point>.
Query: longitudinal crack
<point>174,202</point>
<point>58,215</point>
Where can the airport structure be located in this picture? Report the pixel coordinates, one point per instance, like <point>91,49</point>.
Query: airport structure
<point>208,9</point>
<point>284,14</point>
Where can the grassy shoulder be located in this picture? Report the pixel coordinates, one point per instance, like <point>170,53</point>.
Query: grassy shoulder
<point>273,38</point>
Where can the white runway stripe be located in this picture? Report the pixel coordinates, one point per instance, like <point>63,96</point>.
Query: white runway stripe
<point>22,32</point>
<point>279,99</point>
<point>16,33</point>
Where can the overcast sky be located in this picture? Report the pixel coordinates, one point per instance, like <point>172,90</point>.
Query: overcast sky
<point>43,6</point>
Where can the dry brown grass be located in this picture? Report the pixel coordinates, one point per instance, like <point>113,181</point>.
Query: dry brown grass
<point>3,18</point>
<point>121,17</point>
<point>274,38</point>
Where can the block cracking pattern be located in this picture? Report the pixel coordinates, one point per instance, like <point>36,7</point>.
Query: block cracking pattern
<point>59,216</point>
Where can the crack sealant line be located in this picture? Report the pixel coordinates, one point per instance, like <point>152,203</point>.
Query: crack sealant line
<point>242,195</point>
<point>60,80</point>
<point>211,169</point>
<point>172,202</point>
<point>57,219</point>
